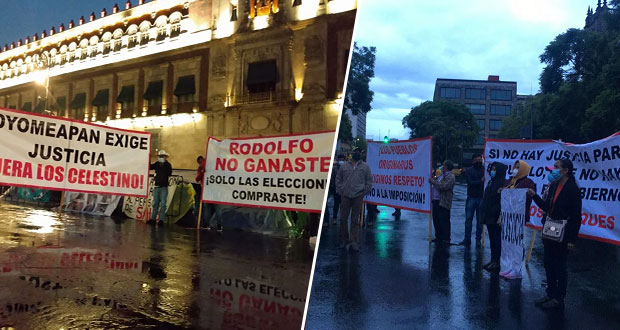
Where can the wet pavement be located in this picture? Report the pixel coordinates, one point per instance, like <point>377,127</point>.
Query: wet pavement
<point>400,281</point>
<point>82,272</point>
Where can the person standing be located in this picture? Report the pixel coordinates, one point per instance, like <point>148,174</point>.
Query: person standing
<point>163,171</point>
<point>492,209</point>
<point>562,202</point>
<point>332,192</point>
<point>353,181</point>
<point>200,174</point>
<point>519,180</point>
<point>475,188</point>
<point>443,191</point>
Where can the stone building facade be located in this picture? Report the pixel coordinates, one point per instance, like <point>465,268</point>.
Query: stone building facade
<point>188,69</point>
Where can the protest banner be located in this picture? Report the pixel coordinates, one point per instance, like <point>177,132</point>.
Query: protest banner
<point>400,172</point>
<point>93,204</point>
<point>286,172</point>
<point>135,207</point>
<point>597,171</point>
<point>63,154</point>
<point>513,224</point>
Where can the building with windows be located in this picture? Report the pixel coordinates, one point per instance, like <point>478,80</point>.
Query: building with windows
<point>188,69</point>
<point>490,101</point>
<point>358,124</point>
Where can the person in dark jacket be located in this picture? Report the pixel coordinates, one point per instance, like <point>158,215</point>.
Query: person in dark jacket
<point>492,208</point>
<point>475,188</point>
<point>163,171</point>
<point>562,202</point>
<point>200,174</point>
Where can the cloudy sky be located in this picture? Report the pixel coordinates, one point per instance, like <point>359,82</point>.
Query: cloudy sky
<point>419,41</point>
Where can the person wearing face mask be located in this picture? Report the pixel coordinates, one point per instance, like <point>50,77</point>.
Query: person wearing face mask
<point>442,193</point>
<point>163,171</point>
<point>475,188</point>
<point>562,202</point>
<point>353,181</point>
<point>492,209</point>
<point>332,192</point>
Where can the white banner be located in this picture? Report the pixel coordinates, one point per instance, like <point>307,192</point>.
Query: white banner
<point>513,224</point>
<point>282,172</point>
<point>134,207</point>
<point>400,171</point>
<point>597,171</point>
<point>63,154</point>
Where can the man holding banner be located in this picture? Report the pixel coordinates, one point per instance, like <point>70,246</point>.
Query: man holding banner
<point>562,205</point>
<point>163,171</point>
<point>443,191</point>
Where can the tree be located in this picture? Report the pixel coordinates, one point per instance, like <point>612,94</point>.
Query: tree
<point>344,132</point>
<point>362,68</point>
<point>451,125</point>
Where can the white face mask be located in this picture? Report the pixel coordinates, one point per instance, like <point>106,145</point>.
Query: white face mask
<point>340,162</point>
<point>161,159</point>
<point>514,171</point>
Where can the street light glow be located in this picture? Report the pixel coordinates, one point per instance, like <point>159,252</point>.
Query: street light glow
<point>40,77</point>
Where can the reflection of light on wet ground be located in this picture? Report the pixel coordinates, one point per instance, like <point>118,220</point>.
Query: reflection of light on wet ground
<point>42,221</point>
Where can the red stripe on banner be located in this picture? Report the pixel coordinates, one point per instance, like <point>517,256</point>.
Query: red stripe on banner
<point>594,238</point>
<point>271,136</point>
<point>404,141</point>
<point>399,207</point>
<point>515,141</point>
<point>263,206</point>
<point>69,189</point>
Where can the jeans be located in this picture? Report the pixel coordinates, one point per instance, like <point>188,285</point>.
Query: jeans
<point>473,204</point>
<point>352,206</point>
<point>160,196</point>
<point>495,238</point>
<point>441,222</point>
<point>555,256</point>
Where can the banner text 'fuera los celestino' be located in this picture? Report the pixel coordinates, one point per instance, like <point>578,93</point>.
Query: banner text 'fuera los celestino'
<point>281,172</point>
<point>400,171</point>
<point>62,154</point>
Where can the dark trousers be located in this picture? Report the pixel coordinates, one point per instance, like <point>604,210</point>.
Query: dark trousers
<point>352,206</point>
<point>473,205</point>
<point>555,266</point>
<point>337,200</point>
<point>495,238</point>
<point>441,222</point>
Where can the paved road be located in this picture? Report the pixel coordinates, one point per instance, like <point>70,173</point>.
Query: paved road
<point>399,281</point>
<point>87,272</point>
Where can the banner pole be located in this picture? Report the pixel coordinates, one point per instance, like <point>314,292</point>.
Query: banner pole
<point>529,252</point>
<point>430,227</point>
<point>199,216</point>
<point>62,203</point>
<point>362,215</point>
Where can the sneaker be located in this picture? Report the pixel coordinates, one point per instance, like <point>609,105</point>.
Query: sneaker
<point>220,228</point>
<point>540,301</point>
<point>552,304</point>
<point>504,273</point>
<point>513,274</point>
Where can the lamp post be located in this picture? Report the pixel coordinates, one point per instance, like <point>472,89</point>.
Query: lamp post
<point>45,79</point>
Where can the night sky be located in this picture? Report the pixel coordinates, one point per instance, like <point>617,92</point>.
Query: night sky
<point>22,18</point>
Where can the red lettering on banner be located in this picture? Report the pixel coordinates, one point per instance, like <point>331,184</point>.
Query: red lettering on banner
<point>598,220</point>
<point>15,168</point>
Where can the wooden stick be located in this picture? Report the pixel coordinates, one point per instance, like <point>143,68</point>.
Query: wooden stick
<point>62,203</point>
<point>430,227</point>
<point>199,215</point>
<point>483,234</point>
<point>529,252</point>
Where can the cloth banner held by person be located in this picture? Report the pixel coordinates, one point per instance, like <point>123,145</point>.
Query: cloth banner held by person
<point>513,222</point>
<point>400,171</point>
<point>57,153</point>
<point>286,172</point>
<point>597,171</point>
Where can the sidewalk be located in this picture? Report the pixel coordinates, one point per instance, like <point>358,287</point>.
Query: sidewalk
<point>399,281</point>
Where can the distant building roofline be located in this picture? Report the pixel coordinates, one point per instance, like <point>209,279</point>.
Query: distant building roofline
<point>479,81</point>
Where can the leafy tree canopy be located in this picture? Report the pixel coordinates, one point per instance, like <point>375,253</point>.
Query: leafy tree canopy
<point>358,95</point>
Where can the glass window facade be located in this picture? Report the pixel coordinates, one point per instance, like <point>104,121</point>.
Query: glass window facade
<point>501,95</point>
<point>500,110</point>
<point>475,94</point>
<point>450,93</point>
<point>477,109</point>
<point>495,125</point>
<point>481,123</point>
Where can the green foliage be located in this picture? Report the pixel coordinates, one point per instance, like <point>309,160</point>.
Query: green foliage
<point>580,84</point>
<point>451,125</point>
<point>358,95</point>
<point>345,133</point>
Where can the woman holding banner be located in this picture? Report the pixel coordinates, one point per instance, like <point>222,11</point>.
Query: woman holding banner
<point>562,205</point>
<point>519,180</point>
<point>492,208</point>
